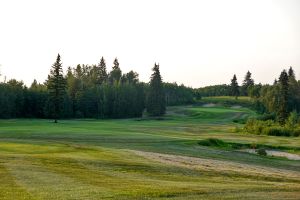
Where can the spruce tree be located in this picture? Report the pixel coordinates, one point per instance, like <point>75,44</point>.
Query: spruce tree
<point>56,85</point>
<point>291,73</point>
<point>247,83</point>
<point>282,113</point>
<point>102,73</point>
<point>156,102</point>
<point>294,91</point>
<point>116,73</point>
<point>234,87</point>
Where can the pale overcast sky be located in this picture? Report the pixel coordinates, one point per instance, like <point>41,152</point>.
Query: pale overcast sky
<point>196,42</point>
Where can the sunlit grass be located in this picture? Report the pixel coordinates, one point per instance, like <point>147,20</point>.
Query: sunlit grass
<point>96,159</point>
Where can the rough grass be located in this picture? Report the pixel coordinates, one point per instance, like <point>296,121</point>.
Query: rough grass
<point>143,159</point>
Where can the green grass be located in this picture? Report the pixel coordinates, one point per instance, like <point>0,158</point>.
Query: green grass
<point>110,159</point>
<point>228,101</point>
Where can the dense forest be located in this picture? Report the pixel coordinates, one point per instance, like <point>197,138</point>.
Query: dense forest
<point>89,91</point>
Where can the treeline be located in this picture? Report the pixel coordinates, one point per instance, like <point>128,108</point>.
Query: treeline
<point>89,91</point>
<point>232,89</point>
<point>178,94</point>
<point>276,102</point>
<point>214,90</point>
<point>281,98</point>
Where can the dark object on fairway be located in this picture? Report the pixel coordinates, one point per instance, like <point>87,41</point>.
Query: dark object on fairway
<point>261,152</point>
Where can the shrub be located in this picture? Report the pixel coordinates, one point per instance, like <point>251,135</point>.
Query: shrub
<point>212,142</point>
<point>253,146</point>
<point>292,120</point>
<point>261,152</point>
<point>296,132</point>
<point>277,131</point>
<point>266,117</point>
<point>256,126</point>
<point>269,127</point>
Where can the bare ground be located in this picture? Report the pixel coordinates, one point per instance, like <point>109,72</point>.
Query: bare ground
<point>217,165</point>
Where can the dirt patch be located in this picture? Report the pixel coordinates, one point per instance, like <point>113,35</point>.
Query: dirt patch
<point>209,105</point>
<point>217,166</point>
<point>289,156</point>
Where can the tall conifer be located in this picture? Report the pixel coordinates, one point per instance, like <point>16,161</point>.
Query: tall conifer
<point>247,83</point>
<point>116,73</point>
<point>102,73</point>
<point>282,113</point>
<point>234,87</point>
<point>56,86</point>
<point>156,103</point>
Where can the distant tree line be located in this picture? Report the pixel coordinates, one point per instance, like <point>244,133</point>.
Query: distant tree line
<point>214,90</point>
<point>179,94</point>
<point>232,89</point>
<point>281,98</point>
<point>89,91</point>
<point>278,100</point>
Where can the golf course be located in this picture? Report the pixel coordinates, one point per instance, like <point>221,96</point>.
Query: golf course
<point>193,152</point>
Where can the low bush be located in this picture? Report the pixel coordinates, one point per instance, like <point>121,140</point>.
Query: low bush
<point>256,126</point>
<point>212,142</point>
<point>269,127</point>
<point>266,117</point>
<point>277,131</point>
<point>296,132</point>
<point>261,152</point>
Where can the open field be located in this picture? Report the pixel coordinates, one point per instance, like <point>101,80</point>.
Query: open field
<point>143,159</point>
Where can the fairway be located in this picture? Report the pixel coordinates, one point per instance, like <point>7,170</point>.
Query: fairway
<point>144,158</point>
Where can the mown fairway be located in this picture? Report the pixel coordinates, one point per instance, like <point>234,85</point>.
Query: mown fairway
<point>142,159</point>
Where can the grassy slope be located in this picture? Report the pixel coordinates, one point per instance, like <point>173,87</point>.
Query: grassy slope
<point>91,159</point>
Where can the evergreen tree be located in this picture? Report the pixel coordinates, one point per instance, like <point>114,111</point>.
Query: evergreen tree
<point>282,113</point>
<point>131,78</point>
<point>247,83</point>
<point>102,73</point>
<point>291,73</point>
<point>116,73</point>
<point>234,87</point>
<point>34,84</point>
<point>78,71</point>
<point>156,102</point>
<point>294,92</point>
<point>56,86</point>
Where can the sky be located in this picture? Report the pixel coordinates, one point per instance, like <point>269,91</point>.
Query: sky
<point>196,42</point>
